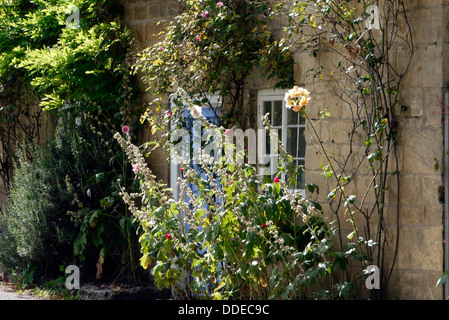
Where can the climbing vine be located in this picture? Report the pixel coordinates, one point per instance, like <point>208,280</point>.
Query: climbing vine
<point>362,35</point>
<point>212,48</point>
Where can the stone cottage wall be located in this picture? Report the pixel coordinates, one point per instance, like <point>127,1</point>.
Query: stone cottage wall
<point>148,19</point>
<point>419,262</point>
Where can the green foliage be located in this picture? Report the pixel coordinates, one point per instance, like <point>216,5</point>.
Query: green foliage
<point>61,63</point>
<point>23,278</point>
<point>29,225</point>
<point>45,63</point>
<point>64,205</point>
<point>237,237</point>
<point>212,48</point>
<point>369,83</point>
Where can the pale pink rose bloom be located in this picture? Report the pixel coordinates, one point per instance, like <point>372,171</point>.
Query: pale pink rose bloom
<point>195,112</point>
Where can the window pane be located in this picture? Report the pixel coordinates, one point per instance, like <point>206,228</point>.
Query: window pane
<point>302,143</point>
<point>290,126</point>
<point>267,143</point>
<point>277,113</point>
<point>267,109</point>
<point>292,141</point>
<point>300,178</point>
<point>292,117</point>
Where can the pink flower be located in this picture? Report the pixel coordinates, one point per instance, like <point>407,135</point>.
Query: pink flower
<point>85,115</point>
<point>220,4</point>
<point>170,113</point>
<point>228,132</point>
<point>204,14</point>
<point>161,48</point>
<point>125,129</point>
<point>136,168</point>
<point>276,180</point>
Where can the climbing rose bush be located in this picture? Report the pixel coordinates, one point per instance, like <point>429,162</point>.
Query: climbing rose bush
<point>297,98</point>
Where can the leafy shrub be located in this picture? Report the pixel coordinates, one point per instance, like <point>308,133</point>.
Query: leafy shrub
<point>64,207</point>
<point>32,222</point>
<point>46,65</point>
<point>237,237</point>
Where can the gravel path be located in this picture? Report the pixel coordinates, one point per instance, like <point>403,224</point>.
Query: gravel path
<point>7,293</point>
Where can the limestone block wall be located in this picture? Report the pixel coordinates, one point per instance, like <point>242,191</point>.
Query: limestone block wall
<point>419,260</point>
<point>148,19</point>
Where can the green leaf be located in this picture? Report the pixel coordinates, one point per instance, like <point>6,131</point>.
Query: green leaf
<point>80,243</point>
<point>368,142</point>
<point>350,200</point>
<point>442,280</point>
<point>351,235</point>
<point>332,194</point>
<point>312,187</point>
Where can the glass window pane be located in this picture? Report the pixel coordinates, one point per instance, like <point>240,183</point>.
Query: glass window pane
<point>302,143</point>
<point>292,117</point>
<point>292,141</point>
<point>277,113</point>
<point>267,143</point>
<point>300,178</point>
<point>290,125</point>
<point>267,109</point>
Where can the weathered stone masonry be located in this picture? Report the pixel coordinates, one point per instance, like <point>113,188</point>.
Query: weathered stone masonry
<point>419,262</point>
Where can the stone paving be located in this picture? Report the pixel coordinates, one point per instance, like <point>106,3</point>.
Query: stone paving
<point>7,293</point>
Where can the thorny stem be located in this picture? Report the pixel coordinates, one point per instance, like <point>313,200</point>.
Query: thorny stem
<point>340,187</point>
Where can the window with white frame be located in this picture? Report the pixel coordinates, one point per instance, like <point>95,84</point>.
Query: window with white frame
<point>290,127</point>
<point>214,102</point>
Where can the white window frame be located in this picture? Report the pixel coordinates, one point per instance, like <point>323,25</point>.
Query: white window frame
<point>276,95</point>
